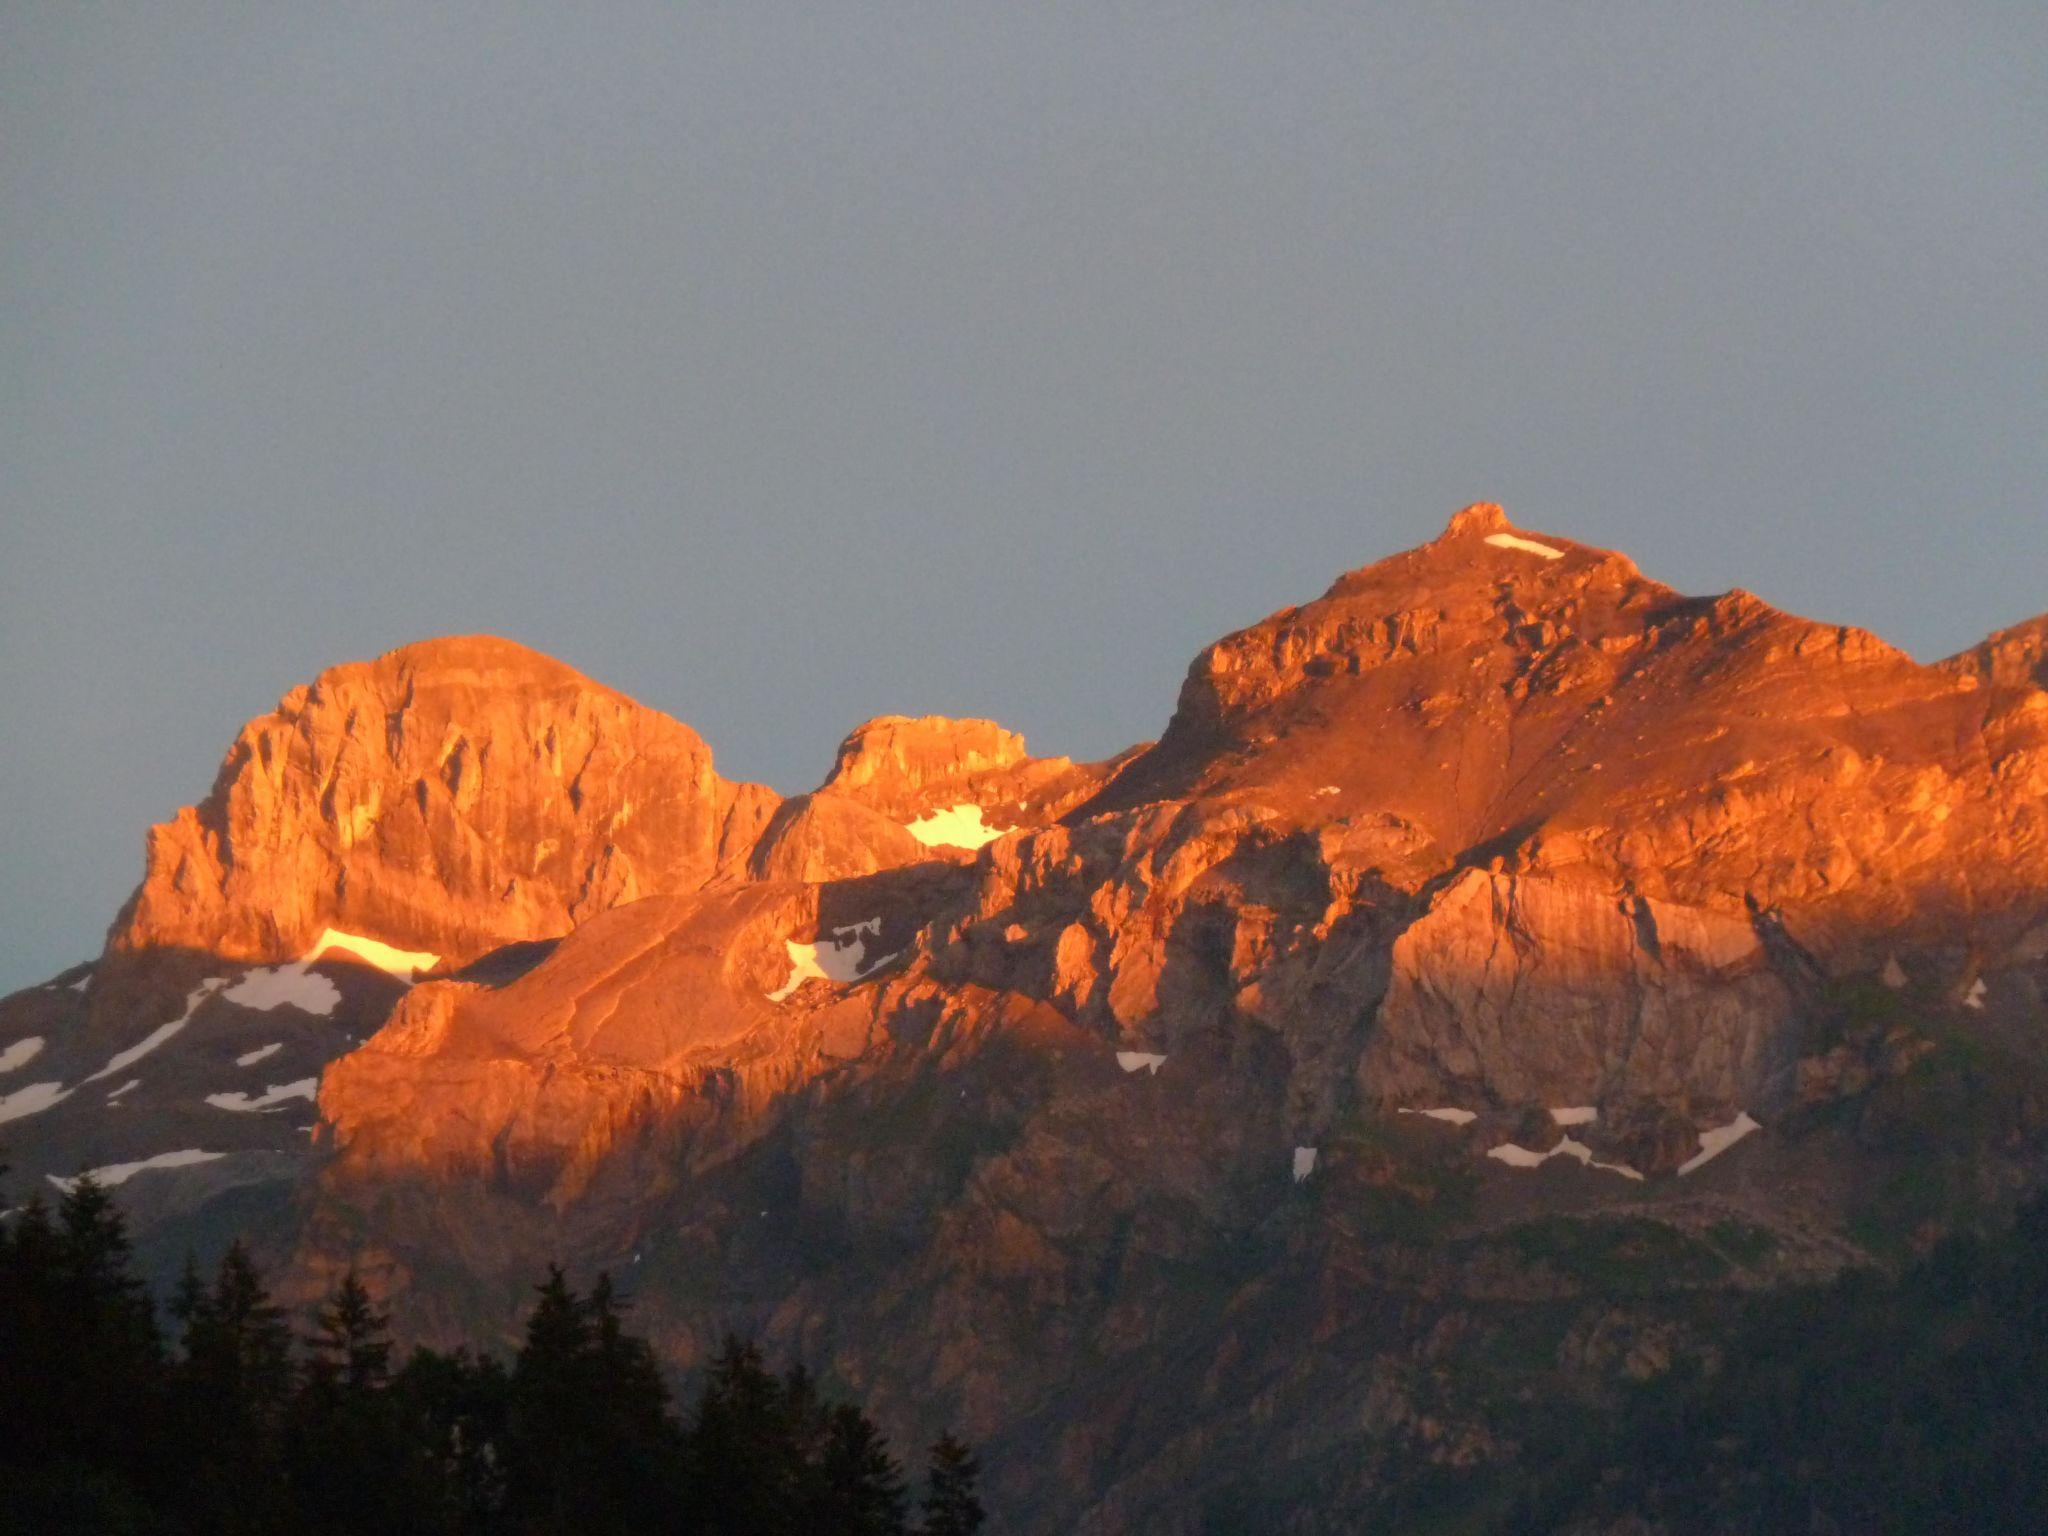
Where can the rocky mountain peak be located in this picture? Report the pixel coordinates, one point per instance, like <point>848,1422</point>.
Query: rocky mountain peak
<point>450,796</point>
<point>2014,657</point>
<point>1477,520</point>
<point>910,767</point>
<point>1497,887</point>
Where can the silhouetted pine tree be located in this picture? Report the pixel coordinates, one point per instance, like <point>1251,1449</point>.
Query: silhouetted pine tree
<point>454,1409</point>
<point>353,1470</point>
<point>545,1473</point>
<point>351,1339</point>
<point>100,1432</point>
<point>232,1389</point>
<point>745,1473</point>
<point>860,1485</point>
<point>593,1447</point>
<point>807,1421</point>
<point>952,1502</point>
<point>80,1371</point>
<point>108,1335</point>
<point>639,1444</point>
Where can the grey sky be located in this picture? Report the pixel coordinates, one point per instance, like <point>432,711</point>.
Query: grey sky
<point>783,366</point>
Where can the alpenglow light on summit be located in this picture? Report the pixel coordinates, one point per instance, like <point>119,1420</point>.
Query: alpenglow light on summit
<point>1499,933</point>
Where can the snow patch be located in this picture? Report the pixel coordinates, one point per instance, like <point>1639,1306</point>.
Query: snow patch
<point>1450,1116</point>
<point>1304,1163</point>
<point>283,986</point>
<point>1977,992</point>
<point>161,1033</point>
<point>81,984</point>
<point>297,986</point>
<point>277,1094</point>
<point>32,1100</point>
<point>403,964</point>
<point>1528,546</point>
<point>1140,1061</point>
<point>21,1053</point>
<point>259,1054</point>
<point>1894,974</point>
<point>960,826</point>
<point>113,1097</point>
<point>121,1173</point>
<point>830,960</point>
<point>1718,1140</point>
<point>1521,1157</point>
<point>1584,1114</point>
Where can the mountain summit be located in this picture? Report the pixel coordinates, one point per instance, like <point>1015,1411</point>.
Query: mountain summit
<point>1173,1126</point>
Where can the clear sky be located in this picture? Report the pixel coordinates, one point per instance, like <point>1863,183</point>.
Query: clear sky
<point>787,365</point>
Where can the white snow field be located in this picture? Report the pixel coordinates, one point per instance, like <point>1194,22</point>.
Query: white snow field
<point>275,1095</point>
<point>1140,1061</point>
<point>1527,546</point>
<point>161,1033</point>
<point>21,1053</point>
<point>830,959</point>
<point>121,1173</point>
<point>1718,1140</point>
<point>1304,1163</point>
<point>32,1100</point>
<point>261,1053</point>
<point>959,826</point>
<point>1448,1116</point>
<point>1521,1157</point>
<point>285,986</point>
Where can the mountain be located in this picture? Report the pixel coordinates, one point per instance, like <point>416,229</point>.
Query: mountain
<point>1501,967</point>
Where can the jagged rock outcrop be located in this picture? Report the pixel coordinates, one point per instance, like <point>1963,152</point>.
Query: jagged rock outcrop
<point>452,796</point>
<point>1498,887</point>
<point>2015,657</point>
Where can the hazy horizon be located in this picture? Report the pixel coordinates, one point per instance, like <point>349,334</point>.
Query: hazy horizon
<point>786,366</point>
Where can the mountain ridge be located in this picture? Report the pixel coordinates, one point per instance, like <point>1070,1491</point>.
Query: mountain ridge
<point>1498,885</point>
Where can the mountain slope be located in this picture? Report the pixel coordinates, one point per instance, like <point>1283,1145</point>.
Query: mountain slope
<point>1498,963</point>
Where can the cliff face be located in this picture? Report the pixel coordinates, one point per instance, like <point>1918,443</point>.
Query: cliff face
<point>450,797</point>
<point>1191,1111</point>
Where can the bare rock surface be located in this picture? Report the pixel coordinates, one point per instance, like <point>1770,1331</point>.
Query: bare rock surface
<point>1496,959</point>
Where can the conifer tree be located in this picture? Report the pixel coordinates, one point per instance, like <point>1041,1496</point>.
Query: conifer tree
<point>80,1371</point>
<point>233,1386</point>
<point>952,1503</point>
<point>861,1486</point>
<point>546,1478</point>
<point>745,1475</point>
<point>351,1338</point>
<point>100,1431</point>
<point>635,1445</point>
<point>454,1409</point>
<point>353,1470</point>
<point>106,1332</point>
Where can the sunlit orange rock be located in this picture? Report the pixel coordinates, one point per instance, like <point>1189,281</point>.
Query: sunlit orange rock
<point>451,796</point>
<point>1027,1093</point>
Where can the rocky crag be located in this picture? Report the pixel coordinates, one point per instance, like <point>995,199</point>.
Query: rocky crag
<point>1497,965</point>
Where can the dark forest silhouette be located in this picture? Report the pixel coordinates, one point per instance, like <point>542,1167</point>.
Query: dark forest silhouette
<point>235,1425</point>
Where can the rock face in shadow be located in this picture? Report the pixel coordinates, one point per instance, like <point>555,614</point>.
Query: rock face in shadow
<point>1204,1109</point>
